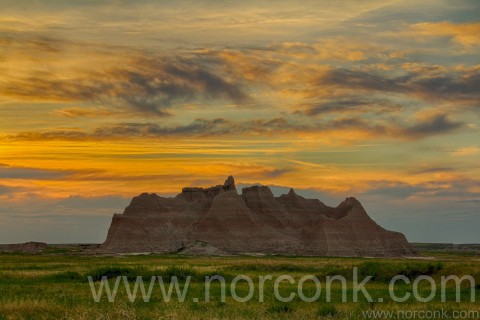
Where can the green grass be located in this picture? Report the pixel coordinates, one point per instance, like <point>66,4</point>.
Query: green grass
<point>55,286</point>
<point>328,310</point>
<point>384,272</point>
<point>280,308</point>
<point>131,272</point>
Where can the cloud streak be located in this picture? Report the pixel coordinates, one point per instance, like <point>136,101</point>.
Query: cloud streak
<point>460,85</point>
<point>350,105</point>
<point>13,172</point>
<point>466,34</point>
<point>139,81</point>
<point>218,127</point>
<point>456,187</point>
<point>438,124</point>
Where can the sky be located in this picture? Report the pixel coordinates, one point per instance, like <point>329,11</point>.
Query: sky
<point>103,100</point>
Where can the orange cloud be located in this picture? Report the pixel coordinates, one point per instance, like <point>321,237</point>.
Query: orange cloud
<point>467,151</point>
<point>93,112</point>
<point>467,34</point>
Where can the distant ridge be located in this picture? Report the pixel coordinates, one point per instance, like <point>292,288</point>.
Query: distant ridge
<point>218,220</point>
<point>31,247</point>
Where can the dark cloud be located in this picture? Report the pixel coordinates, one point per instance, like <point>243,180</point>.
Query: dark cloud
<point>275,173</point>
<point>393,189</point>
<point>199,127</point>
<point>474,201</point>
<point>141,81</point>
<point>350,105</point>
<point>354,79</point>
<point>8,189</point>
<point>26,173</point>
<point>461,85</point>
<point>217,126</point>
<point>459,188</point>
<point>157,83</point>
<point>437,124</point>
<point>17,172</point>
<point>11,172</point>
<point>354,123</point>
<point>432,170</point>
<point>79,202</point>
<point>152,90</point>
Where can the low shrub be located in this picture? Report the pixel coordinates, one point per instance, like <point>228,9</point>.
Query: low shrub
<point>227,276</point>
<point>280,308</point>
<point>180,272</point>
<point>66,276</point>
<point>331,270</point>
<point>167,274</point>
<point>272,268</point>
<point>114,271</point>
<point>328,310</point>
<point>384,272</point>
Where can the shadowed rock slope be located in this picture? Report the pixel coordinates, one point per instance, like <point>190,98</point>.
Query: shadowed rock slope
<point>255,221</point>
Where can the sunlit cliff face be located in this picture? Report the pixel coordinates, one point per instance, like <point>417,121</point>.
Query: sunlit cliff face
<point>102,100</point>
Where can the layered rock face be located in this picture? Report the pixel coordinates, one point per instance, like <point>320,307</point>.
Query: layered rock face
<point>218,219</point>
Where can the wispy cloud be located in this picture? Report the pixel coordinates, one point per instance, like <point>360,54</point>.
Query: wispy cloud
<point>453,187</point>
<point>460,85</point>
<point>14,172</point>
<point>92,112</point>
<point>8,189</point>
<point>144,82</point>
<point>438,124</point>
<point>351,105</point>
<point>466,151</point>
<point>429,170</point>
<point>467,34</point>
<point>435,125</point>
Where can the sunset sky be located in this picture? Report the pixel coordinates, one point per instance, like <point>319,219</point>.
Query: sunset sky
<point>103,100</point>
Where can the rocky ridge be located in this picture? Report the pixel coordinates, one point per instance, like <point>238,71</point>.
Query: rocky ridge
<point>218,220</point>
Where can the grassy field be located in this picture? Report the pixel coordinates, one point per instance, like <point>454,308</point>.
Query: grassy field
<point>54,285</point>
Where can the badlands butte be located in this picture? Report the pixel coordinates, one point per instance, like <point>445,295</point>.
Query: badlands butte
<point>218,220</point>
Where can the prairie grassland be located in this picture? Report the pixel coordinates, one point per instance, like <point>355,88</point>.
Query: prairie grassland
<point>55,286</point>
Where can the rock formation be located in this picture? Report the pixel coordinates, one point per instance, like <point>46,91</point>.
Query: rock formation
<point>219,220</point>
<point>27,247</point>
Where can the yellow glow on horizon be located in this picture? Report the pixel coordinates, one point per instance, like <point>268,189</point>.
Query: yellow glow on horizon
<point>98,168</point>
